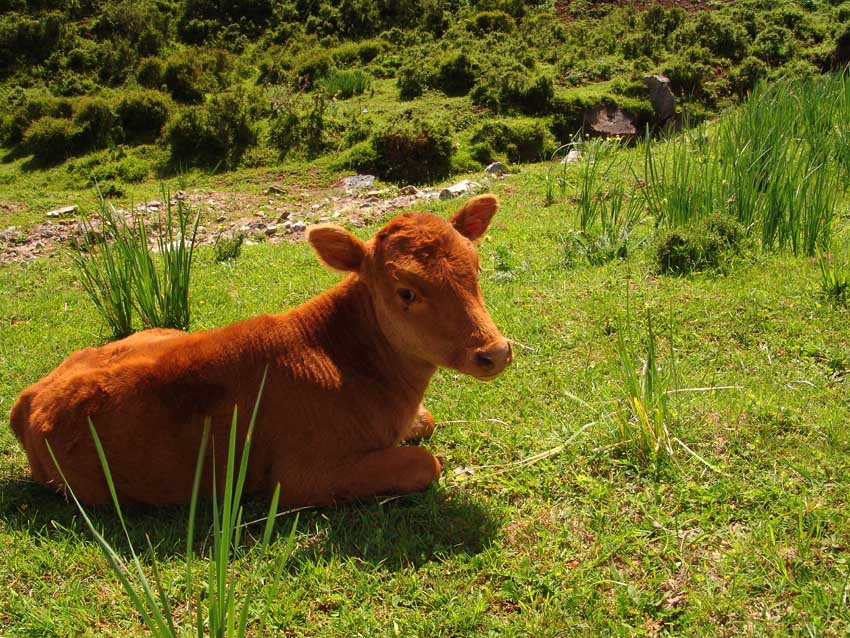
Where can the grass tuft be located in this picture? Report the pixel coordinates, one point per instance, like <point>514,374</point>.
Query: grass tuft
<point>223,619</point>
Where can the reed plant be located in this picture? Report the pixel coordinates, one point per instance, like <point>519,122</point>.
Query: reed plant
<point>211,598</point>
<point>124,276</point>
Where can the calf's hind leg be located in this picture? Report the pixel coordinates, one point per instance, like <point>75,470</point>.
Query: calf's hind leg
<point>396,470</point>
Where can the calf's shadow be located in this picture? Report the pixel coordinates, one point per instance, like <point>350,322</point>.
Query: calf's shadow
<point>392,534</point>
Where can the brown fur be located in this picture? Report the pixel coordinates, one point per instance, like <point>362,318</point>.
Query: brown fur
<point>347,372</point>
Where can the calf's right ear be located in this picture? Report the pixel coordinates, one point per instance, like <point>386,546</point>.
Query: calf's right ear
<point>336,247</point>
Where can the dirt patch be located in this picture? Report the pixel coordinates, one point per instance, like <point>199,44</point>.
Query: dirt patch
<point>274,215</point>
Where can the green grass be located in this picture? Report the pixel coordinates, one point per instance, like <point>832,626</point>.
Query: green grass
<point>538,527</point>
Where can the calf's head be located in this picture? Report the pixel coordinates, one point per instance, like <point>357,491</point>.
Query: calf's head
<point>422,274</point>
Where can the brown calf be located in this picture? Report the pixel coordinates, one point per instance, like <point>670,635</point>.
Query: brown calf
<point>346,375</point>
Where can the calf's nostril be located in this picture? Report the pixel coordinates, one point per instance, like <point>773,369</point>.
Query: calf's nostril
<point>484,360</point>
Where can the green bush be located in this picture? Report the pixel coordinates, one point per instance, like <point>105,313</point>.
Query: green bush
<point>411,81</point>
<point>184,77</point>
<point>708,245</point>
<point>50,139</point>
<point>299,123</point>
<point>456,74</point>
<point>19,120</point>
<point>311,67</point>
<point>517,139</point>
<point>212,135</point>
<point>413,151</point>
<point>143,114</point>
<point>150,72</point>
<point>485,22</point>
<point>96,123</point>
<point>503,90</point>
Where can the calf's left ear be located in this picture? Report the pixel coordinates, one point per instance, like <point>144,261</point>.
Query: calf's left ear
<point>474,216</point>
<point>336,247</point>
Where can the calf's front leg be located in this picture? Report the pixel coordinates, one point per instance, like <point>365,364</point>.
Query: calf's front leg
<point>396,470</point>
<point>422,426</point>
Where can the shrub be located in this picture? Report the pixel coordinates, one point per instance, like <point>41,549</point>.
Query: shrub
<point>411,82</point>
<point>228,247</point>
<point>501,90</point>
<point>311,67</point>
<point>184,77</point>
<point>15,124</point>
<point>568,117</point>
<point>96,123</point>
<point>212,135</point>
<point>150,72</point>
<point>413,150</point>
<point>485,22</point>
<point>455,74</point>
<point>50,139</point>
<point>299,123</point>
<point>518,140</point>
<point>144,113</point>
<point>708,245</point>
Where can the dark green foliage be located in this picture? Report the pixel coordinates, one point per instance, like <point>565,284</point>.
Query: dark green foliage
<point>143,114</point>
<point>503,90</point>
<point>708,245</point>
<point>185,77</point>
<point>18,121</point>
<point>518,140</point>
<point>413,150</point>
<point>96,124</point>
<point>299,123</point>
<point>212,135</point>
<point>227,248</point>
<point>50,139</point>
<point>411,81</point>
<point>486,22</point>
<point>456,74</point>
<point>150,72</point>
<point>28,40</point>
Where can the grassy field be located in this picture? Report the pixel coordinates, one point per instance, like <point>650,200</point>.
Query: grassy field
<point>546,522</point>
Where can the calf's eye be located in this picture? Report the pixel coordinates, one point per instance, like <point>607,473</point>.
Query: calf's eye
<point>406,295</point>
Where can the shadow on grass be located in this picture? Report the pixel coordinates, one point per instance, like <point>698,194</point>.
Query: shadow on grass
<point>410,530</point>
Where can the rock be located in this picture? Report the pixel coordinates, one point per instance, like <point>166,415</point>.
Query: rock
<point>61,212</point>
<point>358,182</point>
<point>408,190</point>
<point>461,188</point>
<point>180,196</point>
<point>496,168</point>
<point>153,204</point>
<point>298,227</point>
<point>283,217</point>
<point>221,218</point>
<point>572,157</point>
<point>315,206</point>
<point>276,189</point>
<point>662,98</point>
<point>11,235</point>
<point>609,121</point>
<point>271,229</point>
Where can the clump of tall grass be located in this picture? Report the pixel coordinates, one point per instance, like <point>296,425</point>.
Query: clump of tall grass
<point>217,588</point>
<point>607,214</point>
<point>122,274</point>
<point>642,423</point>
<point>772,164</point>
<point>346,83</point>
<point>835,276</point>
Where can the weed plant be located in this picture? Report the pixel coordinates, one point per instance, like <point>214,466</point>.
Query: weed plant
<point>642,424</point>
<point>221,618</point>
<point>835,276</point>
<point>121,274</point>
<point>346,83</point>
<point>228,248</point>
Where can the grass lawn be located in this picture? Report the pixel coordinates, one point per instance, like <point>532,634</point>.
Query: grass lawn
<point>543,524</point>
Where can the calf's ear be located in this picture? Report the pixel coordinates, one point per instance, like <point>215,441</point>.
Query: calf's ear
<point>473,218</point>
<point>336,247</point>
